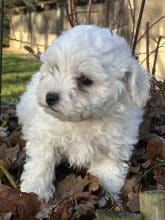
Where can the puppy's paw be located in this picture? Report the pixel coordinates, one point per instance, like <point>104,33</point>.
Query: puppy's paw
<point>47,194</point>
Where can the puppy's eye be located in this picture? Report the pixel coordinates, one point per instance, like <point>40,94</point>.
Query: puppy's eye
<point>85,81</point>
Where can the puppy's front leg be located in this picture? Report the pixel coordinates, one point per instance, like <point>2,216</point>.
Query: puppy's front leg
<point>111,175</point>
<point>39,170</point>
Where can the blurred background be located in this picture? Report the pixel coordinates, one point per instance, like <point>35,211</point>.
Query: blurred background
<point>29,27</point>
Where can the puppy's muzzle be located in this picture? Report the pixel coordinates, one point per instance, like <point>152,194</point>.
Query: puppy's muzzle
<point>52,98</point>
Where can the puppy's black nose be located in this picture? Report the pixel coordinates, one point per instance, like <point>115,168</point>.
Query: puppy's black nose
<point>52,98</point>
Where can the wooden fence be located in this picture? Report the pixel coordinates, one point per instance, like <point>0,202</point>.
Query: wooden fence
<point>152,207</point>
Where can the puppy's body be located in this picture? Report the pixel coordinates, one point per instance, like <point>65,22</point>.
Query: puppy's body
<point>100,92</point>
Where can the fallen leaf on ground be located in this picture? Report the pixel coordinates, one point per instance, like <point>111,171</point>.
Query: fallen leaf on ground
<point>8,155</point>
<point>131,185</point>
<point>159,176</point>
<point>62,211</point>
<point>4,187</point>
<point>134,170</point>
<point>72,188</point>
<point>20,204</point>
<point>156,148</point>
<point>73,185</point>
<point>16,139</point>
<point>133,202</point>
<point>146,164</point>
<point>93,182</point>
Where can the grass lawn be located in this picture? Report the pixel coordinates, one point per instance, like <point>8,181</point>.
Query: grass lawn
<point>17,71</point>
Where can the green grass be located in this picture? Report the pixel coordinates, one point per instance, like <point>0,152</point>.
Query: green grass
<point>17,72</point>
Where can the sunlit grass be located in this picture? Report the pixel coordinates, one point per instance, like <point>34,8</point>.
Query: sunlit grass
<point>17,72</point>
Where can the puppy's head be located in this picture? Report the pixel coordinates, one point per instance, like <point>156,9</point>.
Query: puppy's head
<point>84,73</point>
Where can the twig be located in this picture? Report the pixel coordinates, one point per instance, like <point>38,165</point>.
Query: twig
<point>26,42</point>
<point>121,25</point>
<point>85,12</point>
<point>156,55</point>
<point>68,15</point>
<point>71,10</point>
<point>138,26</point>
<point>8,176</point>
<point>150,28</point>
<point>147,47</point>
<point>153,51</point>
<point>133,18</point>
<point>89,11</point>
<point>74,9</point>
<point>107,6</point>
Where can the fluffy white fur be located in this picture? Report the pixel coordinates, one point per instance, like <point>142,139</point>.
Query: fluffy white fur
<point>95,126</point>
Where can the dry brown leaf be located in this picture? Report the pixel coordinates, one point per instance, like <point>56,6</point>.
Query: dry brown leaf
<point>146,164</point>
<point>4,187</point>
<point>5,163</point>
<point>16,139</point>
<point>131,185</point>
<point>85,208</point>
<point>93,182</point>
<point>70,186</point>
<point>9,153</point>
<point>62,211</point>
<point>82,204</point>
<point>86,196</point>
<point>156,148</point>
<point>133,203</point>
<point>3,147</point>
<point>134,169</point>
<point>85,204</point>
<point>19,203</point>
<point>160,176</point>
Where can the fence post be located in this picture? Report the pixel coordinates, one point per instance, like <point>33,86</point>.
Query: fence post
<point>152,205</point>
<point>115,215</point>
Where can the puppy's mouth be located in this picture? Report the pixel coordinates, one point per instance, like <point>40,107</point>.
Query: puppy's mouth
<point>52,109</point>
<point>56,113</point>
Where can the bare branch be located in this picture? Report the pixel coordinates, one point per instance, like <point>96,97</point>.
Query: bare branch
<point>147,47</point>
<point>25,42</point>
<point>138,26</point>
<point>68,15</point>
<point>132,10</point>
<point>89,11</point>
<point>107,6</point>
<point>156,55</point>
<point>153,51</point>
<point>150,28</point>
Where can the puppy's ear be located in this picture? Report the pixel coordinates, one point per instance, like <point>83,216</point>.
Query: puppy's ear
<point>138,83</point>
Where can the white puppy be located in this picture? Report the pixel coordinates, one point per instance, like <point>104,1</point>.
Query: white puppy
<point>84,105</point>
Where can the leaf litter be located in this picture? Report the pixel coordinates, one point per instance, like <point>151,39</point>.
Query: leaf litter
<point>77,192</point>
